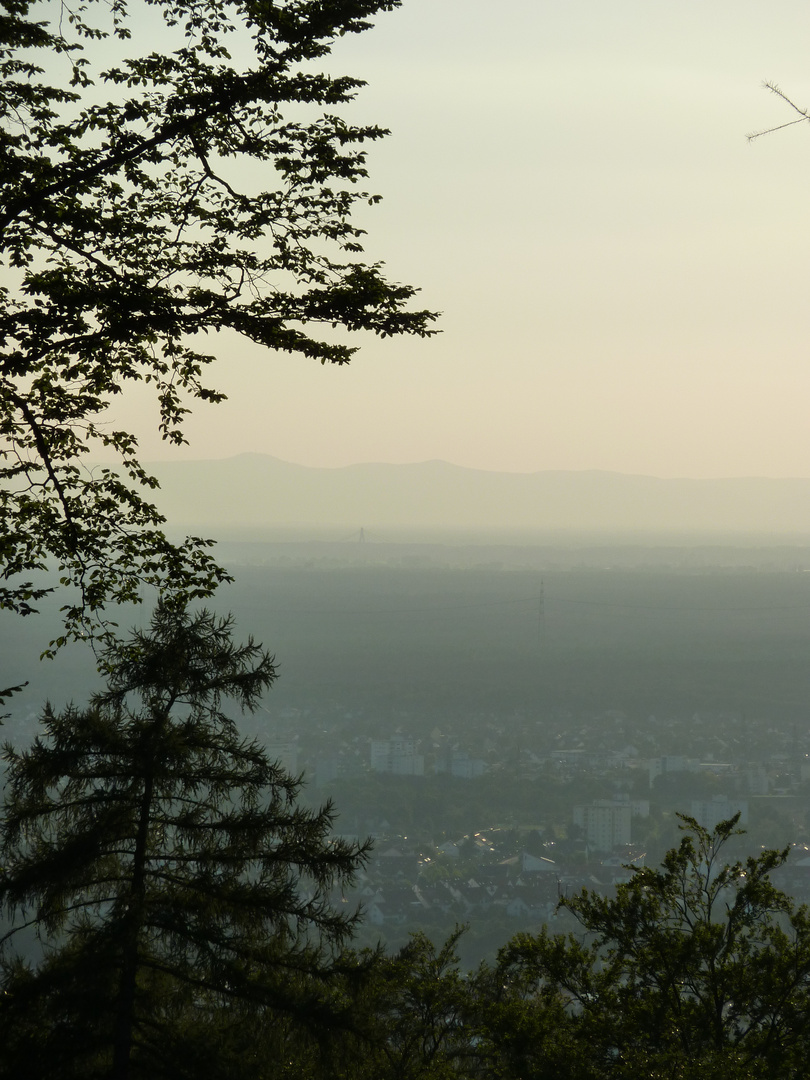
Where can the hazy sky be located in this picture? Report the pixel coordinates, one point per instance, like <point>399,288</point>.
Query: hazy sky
<point>624,278</point>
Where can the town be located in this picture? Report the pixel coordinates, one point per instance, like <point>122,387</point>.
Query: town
<point>489,826</point>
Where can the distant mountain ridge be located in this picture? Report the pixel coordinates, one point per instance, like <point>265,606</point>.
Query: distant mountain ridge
<point>258,491</point>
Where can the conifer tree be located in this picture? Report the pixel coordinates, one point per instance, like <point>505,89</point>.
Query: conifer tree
<point>176,889</point>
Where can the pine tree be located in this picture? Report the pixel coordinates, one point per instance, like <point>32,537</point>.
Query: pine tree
<point>177,890</point>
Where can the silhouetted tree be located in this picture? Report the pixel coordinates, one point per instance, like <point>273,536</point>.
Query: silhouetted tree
<point>696,969</point>
<point>177,890</point>
<point>411,1014</point>
<point>205,185</point>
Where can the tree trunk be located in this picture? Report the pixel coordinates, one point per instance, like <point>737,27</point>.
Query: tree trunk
<point>122,1041</point>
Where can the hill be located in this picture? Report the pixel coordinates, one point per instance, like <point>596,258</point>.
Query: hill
<point>254,491</point>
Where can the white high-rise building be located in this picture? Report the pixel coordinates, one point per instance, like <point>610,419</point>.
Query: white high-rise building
<point>606,824</point>
<point>397,756</point>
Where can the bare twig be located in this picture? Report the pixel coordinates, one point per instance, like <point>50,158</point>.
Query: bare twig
<point>804,114</point>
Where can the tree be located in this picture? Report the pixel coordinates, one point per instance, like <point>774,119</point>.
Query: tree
<point>419,1017</point>
<point>177,889</point>
<point>522,1025</point>
<point>696,969</point>
<point>131,226</point>
<point>411,1012</point>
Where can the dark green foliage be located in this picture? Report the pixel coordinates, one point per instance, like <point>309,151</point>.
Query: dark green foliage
<point>412,1016</point>
<point>179,892</point>
<point>420,1017</point>
<point>696,969</point>
<point>422,1004</point>
<point>523,1027</point>
<point>146,202</point>
<point>6,692</point>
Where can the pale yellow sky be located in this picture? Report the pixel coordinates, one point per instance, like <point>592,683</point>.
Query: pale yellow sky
<point>623,276</point>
